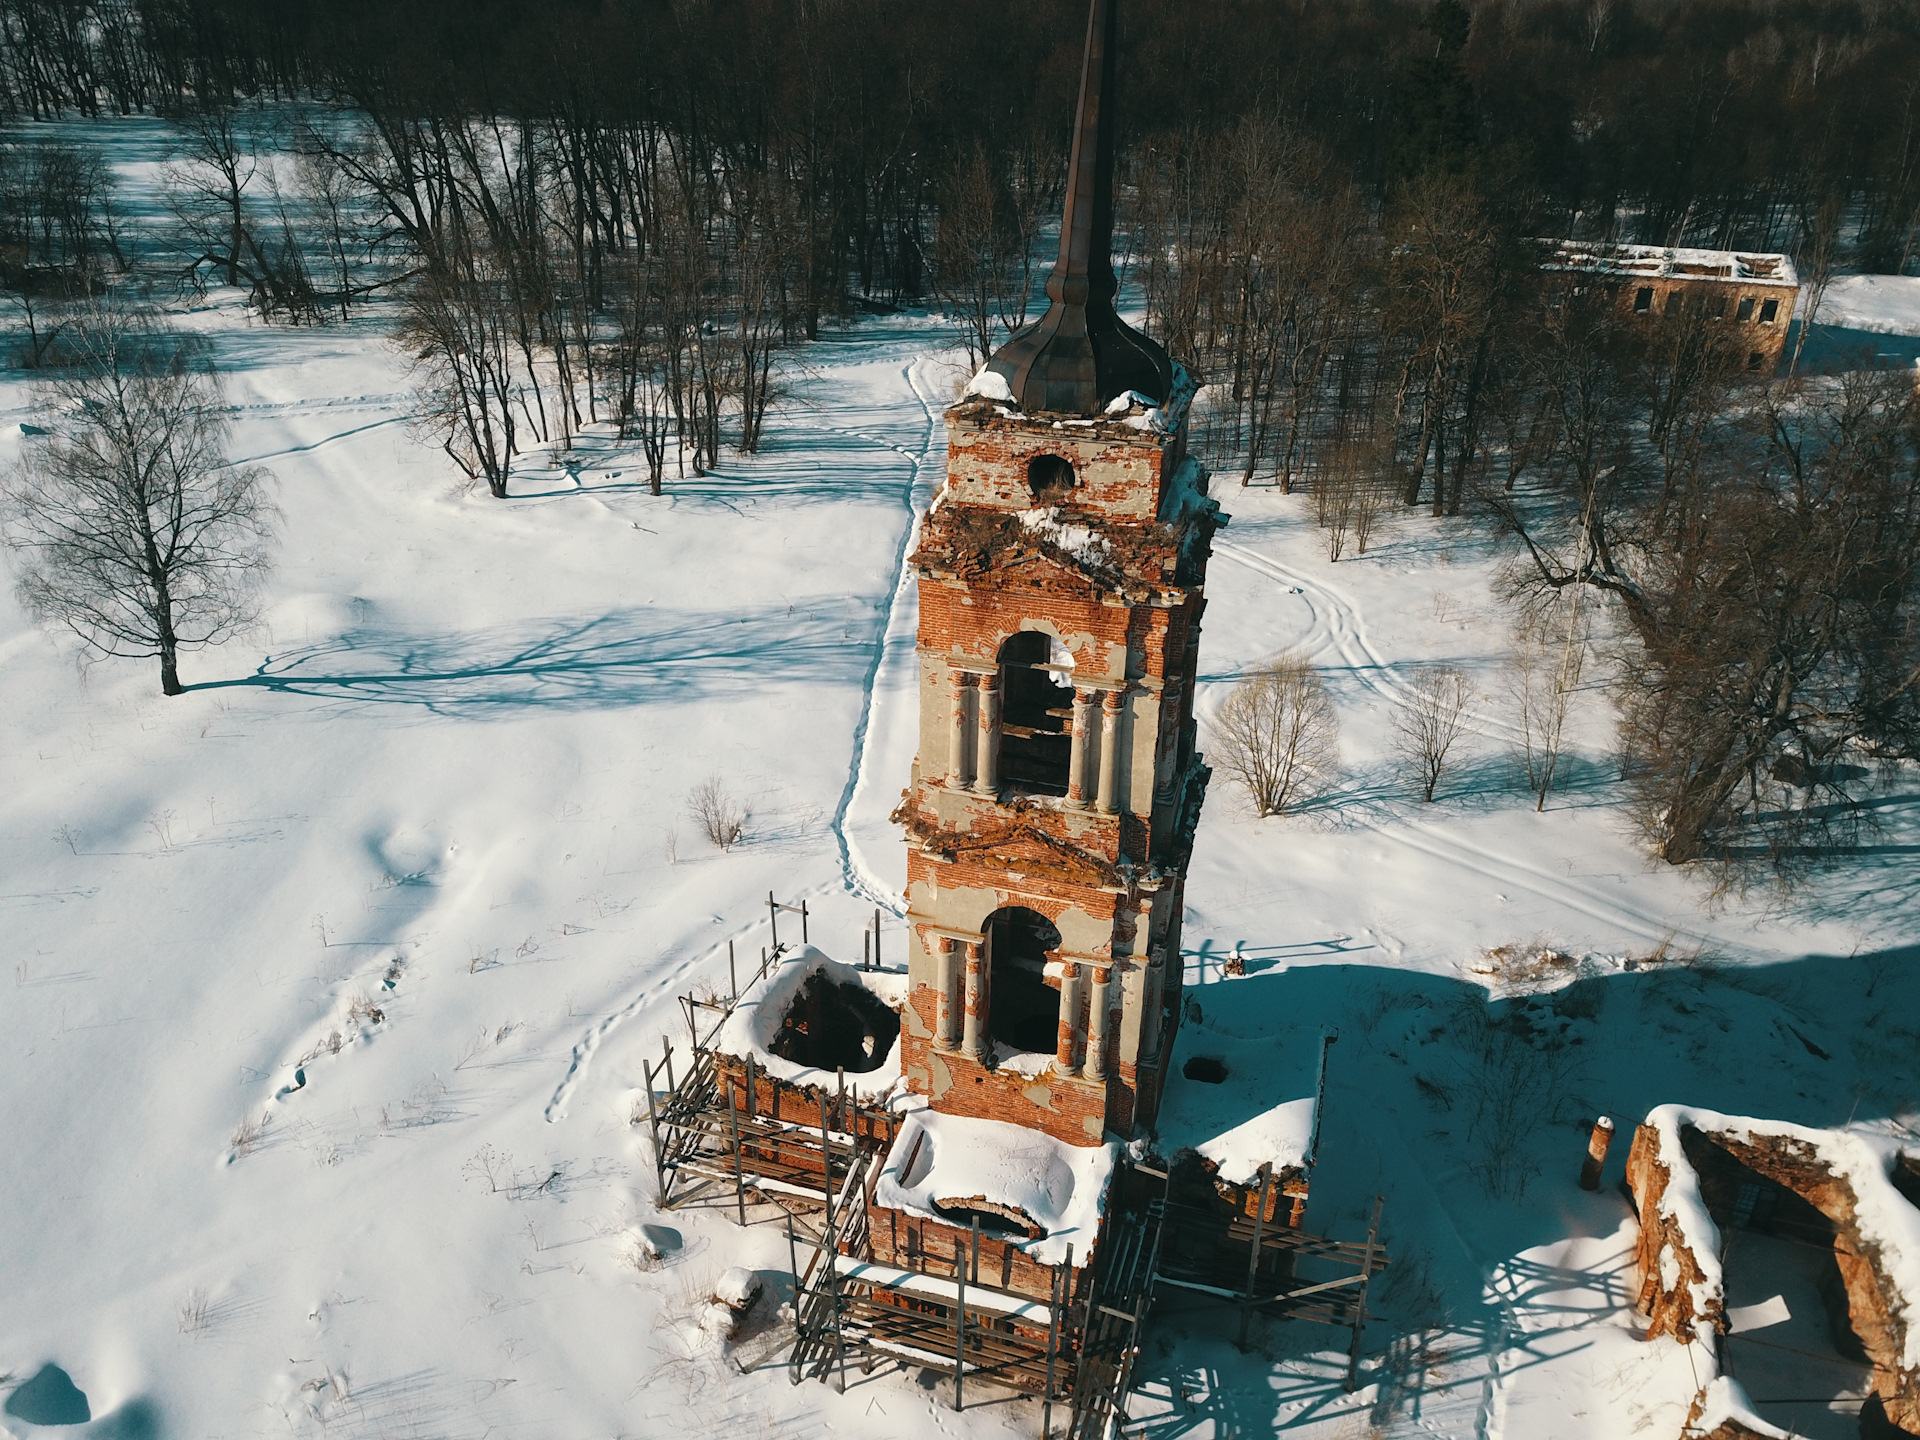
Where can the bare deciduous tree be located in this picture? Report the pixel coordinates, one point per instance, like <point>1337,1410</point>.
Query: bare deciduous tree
<point>1549,652</point>
<point>131,527</point>
<point>721,817</point>
<point>1428,726</point>
<point>456,327</point>
<point>1278,734</point>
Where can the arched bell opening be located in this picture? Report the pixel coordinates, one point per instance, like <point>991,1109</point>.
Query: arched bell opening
<point>1036,713</point>
<point>1050,479</point>
<point>1024,1009</point>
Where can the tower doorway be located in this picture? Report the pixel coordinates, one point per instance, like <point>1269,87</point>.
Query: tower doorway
<point>1023,1010</point>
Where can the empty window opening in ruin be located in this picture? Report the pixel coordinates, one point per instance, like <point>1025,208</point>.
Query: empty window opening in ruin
<point>1207,1069</point>
<point>1745,312</point>
<point>1756,360</point>
<point>1769,311</point>
<point>998,1222</point>
<point>1023,1009</point>
<point>1643,300</point>
<point>1036,714</point>
<point>835,1026</point>
<point>1671,306</point>
<point>1717,307</point>
<point>1050,478</point>
<point>1793,1345</point>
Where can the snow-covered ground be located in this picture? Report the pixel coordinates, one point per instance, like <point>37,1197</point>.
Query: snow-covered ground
<point>328,983</point>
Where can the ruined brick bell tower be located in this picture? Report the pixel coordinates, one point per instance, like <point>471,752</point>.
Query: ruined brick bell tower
<point>1054,797</point>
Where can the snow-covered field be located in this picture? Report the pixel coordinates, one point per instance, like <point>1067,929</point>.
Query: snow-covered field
<point>328,983</point>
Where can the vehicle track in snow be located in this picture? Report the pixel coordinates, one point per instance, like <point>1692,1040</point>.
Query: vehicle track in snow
<point>897,630</point>
<point>1338,631</point>
<point>853,875</point>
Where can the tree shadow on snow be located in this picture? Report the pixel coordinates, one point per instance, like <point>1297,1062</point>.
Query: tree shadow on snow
<point>625,658</point>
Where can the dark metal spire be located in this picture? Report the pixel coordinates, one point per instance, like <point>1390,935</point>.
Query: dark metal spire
<point>1081,354</point>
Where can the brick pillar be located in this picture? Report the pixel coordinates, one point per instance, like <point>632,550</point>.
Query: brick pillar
<point>1082,735</point>
<point>953,1002</point>
<point>957,747</point>
<point>1069,1034</point>
<point>974,1036</point>
<point>1109,748</point>
<point>986,770</point>
<point>1098,1015</point>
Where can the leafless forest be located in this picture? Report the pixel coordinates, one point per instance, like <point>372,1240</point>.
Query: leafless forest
<point>636,213</point>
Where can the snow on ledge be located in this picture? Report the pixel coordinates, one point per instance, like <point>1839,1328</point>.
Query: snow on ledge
<point>1882,1214</point>
<point>1726,1399</point>
<point>755,1022</point>
<point>1060,1187</point>
<point>990,384</point>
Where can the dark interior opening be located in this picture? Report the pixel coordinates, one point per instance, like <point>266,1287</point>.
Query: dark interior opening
<point>1050,478</point>
<point>832,1026</point>
<point>1778,1245</point>
<point>996,1222</point>
<point>1023,1010</point>
<point>1207,1069</point>
<point>1036,716</point>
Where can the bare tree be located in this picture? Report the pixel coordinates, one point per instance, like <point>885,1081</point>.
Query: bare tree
<point>1549,652</point>
<point>1819,250</point>
<point>983,245</point>
<point>1278,734</point>
<point>455,326</point>
<point>58,238</point>
<point>722,817</point>
<point>131,527</point>
<point>1428,726</point>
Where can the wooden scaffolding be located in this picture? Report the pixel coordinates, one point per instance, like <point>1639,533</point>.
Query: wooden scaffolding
<point>726,1134</point>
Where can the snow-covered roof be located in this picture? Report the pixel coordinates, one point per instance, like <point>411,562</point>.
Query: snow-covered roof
<point>1266,1110</point>
<point>1061,1188</point>
<point>1865,1161</point>
<point>1666,262</point>
<point>763,1005</point>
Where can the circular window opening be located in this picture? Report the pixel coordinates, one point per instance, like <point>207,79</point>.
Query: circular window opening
<point>1206,1069</point>
<point>1050,478</point>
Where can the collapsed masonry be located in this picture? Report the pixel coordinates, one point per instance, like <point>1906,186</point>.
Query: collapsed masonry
<point>1696,1176</point>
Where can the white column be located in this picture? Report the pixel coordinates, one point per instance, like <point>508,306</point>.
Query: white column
<point>1077,756</point>
<point>974,1039</point>
<point>957,748</point>
<point>1109,748</point>
<point>952,999</point>
<point>1100,998</point>
<point>986,770</point>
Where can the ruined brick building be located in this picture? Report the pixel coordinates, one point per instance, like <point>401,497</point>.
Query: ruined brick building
<point>1053,801</point>
<point>1744,299</point>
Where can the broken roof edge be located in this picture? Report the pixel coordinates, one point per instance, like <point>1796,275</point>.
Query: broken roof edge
<point>988,389</point>
<point>1884,1217</point>
<point>1284,1135</point>
<point>756,1017</point>
<point>1669,262</point>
